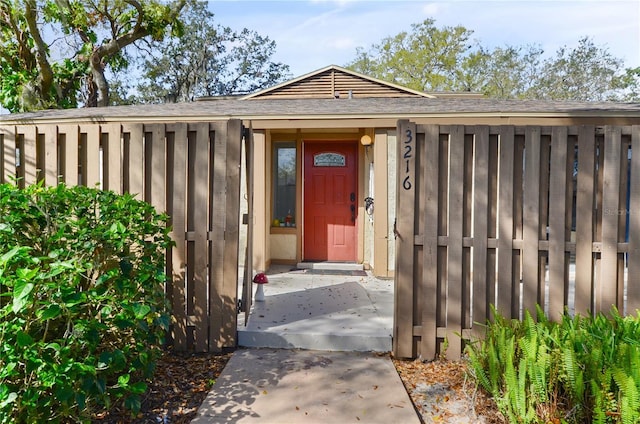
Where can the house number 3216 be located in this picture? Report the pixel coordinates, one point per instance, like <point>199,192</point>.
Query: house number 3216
<point>408,154</point>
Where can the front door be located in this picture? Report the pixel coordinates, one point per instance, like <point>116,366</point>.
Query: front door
<point>330,206</point>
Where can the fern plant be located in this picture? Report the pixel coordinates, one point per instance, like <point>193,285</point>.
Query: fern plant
<point>583,369</point>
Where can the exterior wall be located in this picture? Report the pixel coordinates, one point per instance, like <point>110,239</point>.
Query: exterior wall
<point>260,246</point>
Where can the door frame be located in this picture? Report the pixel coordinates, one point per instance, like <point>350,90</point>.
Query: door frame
<point>359,227</point>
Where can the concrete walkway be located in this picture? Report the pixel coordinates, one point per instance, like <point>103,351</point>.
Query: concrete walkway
<point>339,318</point>
<point>282,386</point>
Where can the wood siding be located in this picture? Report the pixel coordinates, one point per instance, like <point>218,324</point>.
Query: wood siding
<point>190,171</point>
<point>512,217</point>
<point>332,84</point>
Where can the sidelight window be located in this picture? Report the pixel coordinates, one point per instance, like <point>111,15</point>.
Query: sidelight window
<point>284,184</point>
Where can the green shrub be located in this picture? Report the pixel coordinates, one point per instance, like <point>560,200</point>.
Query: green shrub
<point>82,306</point>
<point>583,369</point>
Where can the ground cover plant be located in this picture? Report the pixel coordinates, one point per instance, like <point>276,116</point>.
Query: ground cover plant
<point>82,306</point>
<point>582,369</point>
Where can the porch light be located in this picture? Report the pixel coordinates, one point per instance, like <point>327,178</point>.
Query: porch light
<point>366,140</point>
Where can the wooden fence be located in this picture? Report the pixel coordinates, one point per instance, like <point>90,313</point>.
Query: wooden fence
<point>512,217</point>
<point>191,171</point>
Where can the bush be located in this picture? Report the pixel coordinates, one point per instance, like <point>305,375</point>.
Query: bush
<point>583,369</point>
<point>82,307</point>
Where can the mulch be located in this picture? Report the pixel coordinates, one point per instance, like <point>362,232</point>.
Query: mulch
<point>443,391</point>
<point>179,387</point>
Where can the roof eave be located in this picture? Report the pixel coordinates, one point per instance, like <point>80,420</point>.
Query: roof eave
<point>316,116</point>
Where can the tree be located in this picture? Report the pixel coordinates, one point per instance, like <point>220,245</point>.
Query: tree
<point>88,37</point>
<point>425,58</point>
<point>432,59</point>
<point>587,72</point>
<point>502,73</point>
<point>208,60</point>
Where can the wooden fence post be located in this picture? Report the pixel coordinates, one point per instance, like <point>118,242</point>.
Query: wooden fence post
<point>404,231</point>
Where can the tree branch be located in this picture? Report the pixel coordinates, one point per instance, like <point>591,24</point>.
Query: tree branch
<point>112,47</point>
<point>46,73</point>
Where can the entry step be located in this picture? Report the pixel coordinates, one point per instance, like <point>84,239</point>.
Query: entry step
<point>331,266</point>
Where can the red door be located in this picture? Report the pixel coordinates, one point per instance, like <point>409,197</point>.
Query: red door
<point>330,206</point>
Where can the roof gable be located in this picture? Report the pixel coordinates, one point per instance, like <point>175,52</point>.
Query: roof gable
<point>335,82</point>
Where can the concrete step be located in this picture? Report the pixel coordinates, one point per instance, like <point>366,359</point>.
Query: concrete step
<point>331,266</point>
<point>321,312</point>
<point>313,341</point>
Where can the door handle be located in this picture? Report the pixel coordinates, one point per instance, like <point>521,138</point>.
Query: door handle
<point>353,213</point>
<point>352,197</point>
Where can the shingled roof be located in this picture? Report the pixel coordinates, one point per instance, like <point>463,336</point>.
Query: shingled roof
<point>333,93</point>
<point>336,109</point>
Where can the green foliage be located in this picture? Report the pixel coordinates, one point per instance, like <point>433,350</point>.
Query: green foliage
<point>82,307</point>
<point>229,62</point>
<point>91,37</point>
<point>429,58</point>
<point>425,58</point>
<point>578,370</point>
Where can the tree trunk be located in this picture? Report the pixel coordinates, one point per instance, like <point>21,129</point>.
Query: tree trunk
<point>99,90</point>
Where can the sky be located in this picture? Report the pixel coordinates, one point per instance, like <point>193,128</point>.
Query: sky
<point>313,34</point>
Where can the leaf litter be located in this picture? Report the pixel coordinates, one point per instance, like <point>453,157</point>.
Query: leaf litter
<point>443,392</point>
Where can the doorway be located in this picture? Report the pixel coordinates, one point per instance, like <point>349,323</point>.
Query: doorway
<point>330,201</point>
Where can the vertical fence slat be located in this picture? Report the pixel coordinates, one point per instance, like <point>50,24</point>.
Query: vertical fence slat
<point>50,154</point>
<point>200,182</point>
<point>28,157</point>
<point>229,292</point>
<point>543,221</point>
<point>505,224</point>
<point>443,222</point>
<point>156,166</point>
<point>70,153</point>
<point>492,231</point>
<point>429,153</point>
<point>8,133</point>
<point>403,317</point>
<point>178,230</point>
<point>454,249</point>
<point>622,219</point>
<point>557,209</point>
<point>467,230</point>
<point>112,157</point>
<point>584,220</point>
<point>518,203</point>
<point>480,228</point>
<point>135,165</point>
<point>633,281</point>
<point>531,218</point>
<point>250,172</point>
<point>607,289</point>
<point>218,206</point>
<point>91,160</point>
